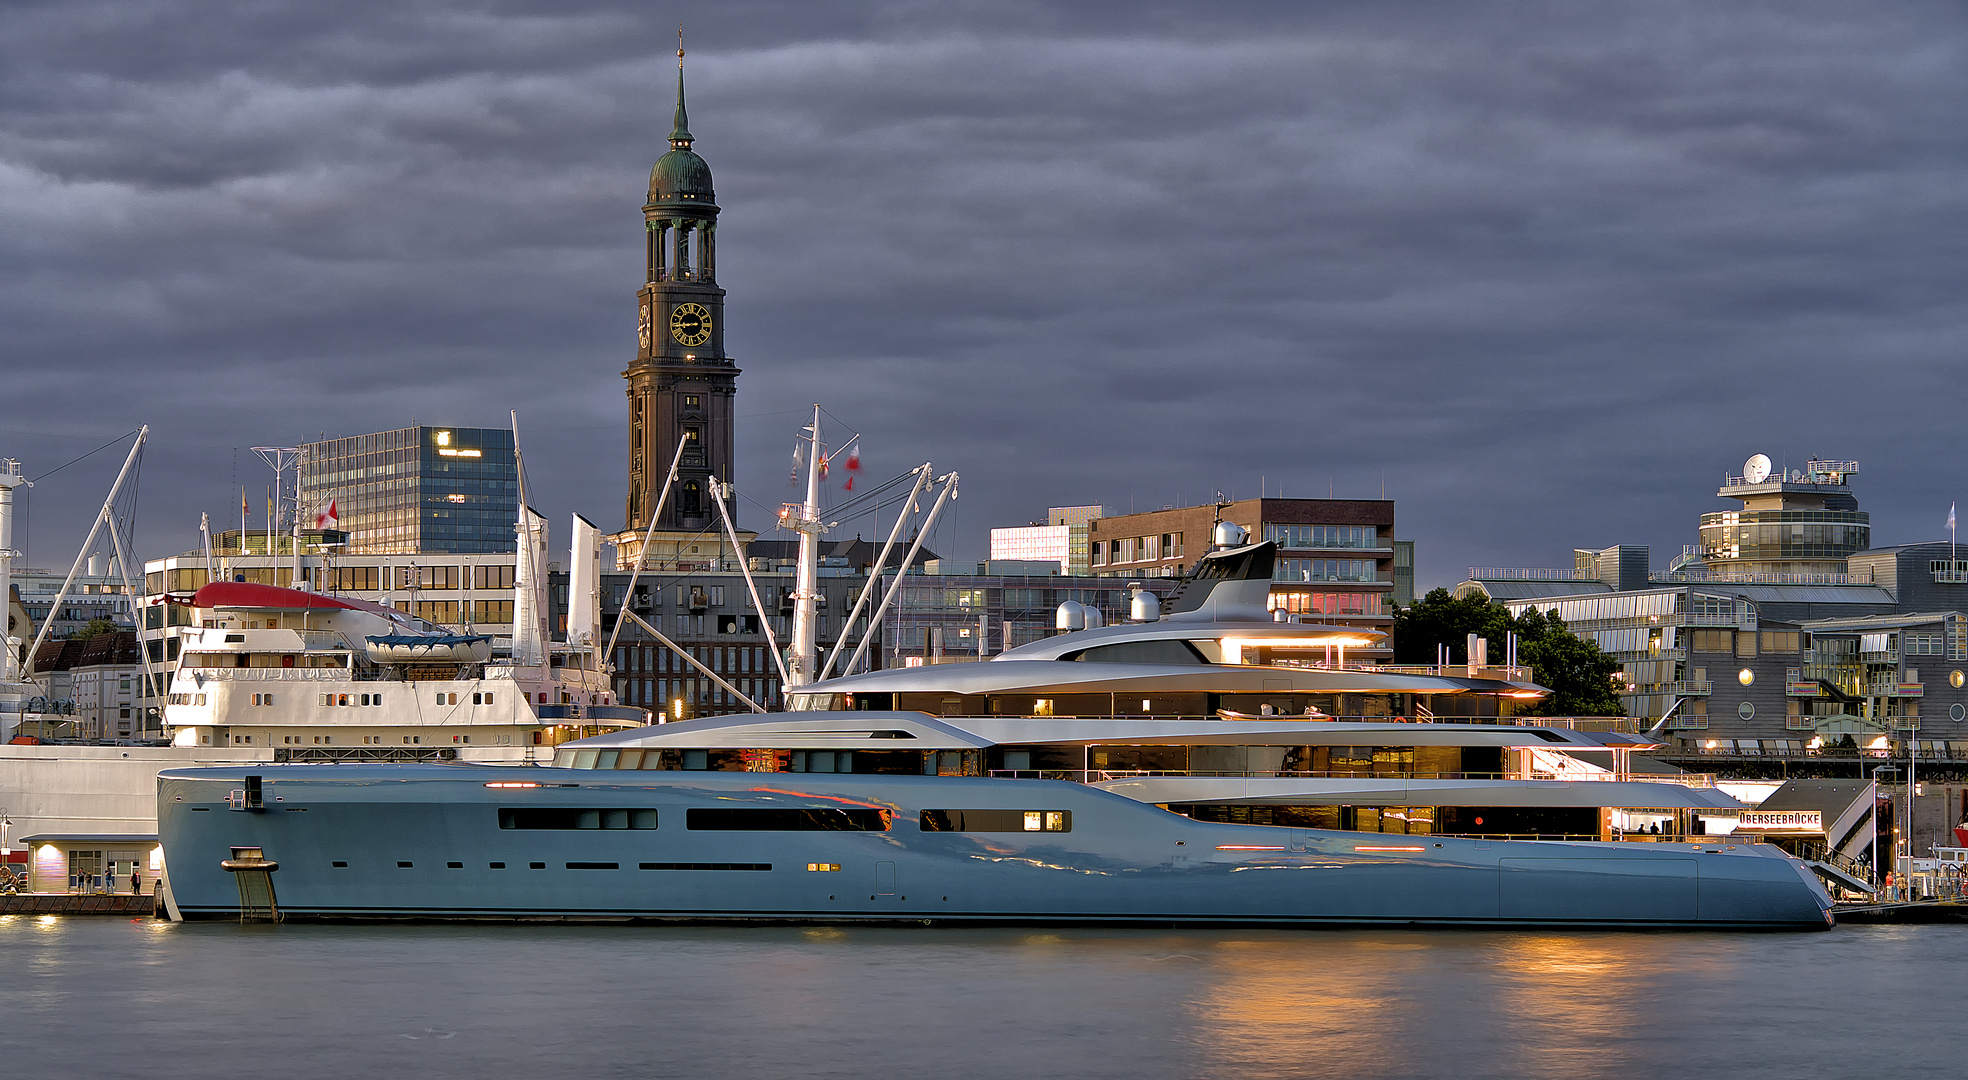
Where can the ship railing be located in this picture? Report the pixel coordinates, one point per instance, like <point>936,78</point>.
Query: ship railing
<point>1454,671</point>
<point>248,674</point>
<point>1928,750</point>
<point>1629,725</point>
<point>1099,776</point>
<point>1350,718</point>
<point>363,754</point>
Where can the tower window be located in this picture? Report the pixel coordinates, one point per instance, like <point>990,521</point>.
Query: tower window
<point>690,401</point>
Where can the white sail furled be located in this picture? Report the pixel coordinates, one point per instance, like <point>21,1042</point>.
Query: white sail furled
<point>530,590</point>
<point>10,478</point>
<point>584,583</point>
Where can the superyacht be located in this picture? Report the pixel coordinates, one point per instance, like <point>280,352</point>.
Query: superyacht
<point>1187,767</point>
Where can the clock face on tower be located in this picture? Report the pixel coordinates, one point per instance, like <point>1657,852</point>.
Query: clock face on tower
<point>690,324</point>
<point>642,330</point>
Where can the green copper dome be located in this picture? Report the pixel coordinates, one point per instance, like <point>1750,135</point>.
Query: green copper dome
<point>680,175</point>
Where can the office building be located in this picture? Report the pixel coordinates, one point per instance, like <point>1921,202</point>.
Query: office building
<point>1336,557</point>
<point>414,490</point>
<point>1782,633</point>
<point>1063,539</point>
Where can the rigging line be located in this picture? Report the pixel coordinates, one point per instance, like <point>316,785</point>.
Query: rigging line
<point>128,434</point>
<point>865,511</point>
<point>886,485</point>
<point>858,505</point>
<point>829,414</point>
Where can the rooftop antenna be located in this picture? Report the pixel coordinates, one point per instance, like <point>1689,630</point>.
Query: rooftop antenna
<point>282,458</point>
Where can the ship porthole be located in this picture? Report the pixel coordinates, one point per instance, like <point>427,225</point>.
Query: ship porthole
<point>1746,711</point>
<point>1957,712</point>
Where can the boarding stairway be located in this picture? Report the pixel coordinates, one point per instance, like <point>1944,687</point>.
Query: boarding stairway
<point>1841,877</point>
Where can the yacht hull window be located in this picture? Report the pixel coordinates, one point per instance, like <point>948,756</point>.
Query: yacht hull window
<point>996,821</point>
<point>785,819</point>
<point>1163,651</point>
<point>568,817</point>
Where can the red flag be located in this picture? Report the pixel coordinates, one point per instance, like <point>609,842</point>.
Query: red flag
<point>327,518</point>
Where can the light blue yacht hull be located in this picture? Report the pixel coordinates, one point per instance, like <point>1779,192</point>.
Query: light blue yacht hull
<point>431,842</point>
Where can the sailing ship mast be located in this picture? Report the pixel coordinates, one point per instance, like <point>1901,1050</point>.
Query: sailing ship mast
<point>805,519</point>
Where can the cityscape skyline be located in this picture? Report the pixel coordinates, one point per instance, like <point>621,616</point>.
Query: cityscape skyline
<point>1547,279</point>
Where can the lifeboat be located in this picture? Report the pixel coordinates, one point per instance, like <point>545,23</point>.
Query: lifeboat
<point>430,649</point>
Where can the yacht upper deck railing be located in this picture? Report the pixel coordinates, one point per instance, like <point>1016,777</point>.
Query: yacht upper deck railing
<point>1100,776</point>
<point>1453,671</point>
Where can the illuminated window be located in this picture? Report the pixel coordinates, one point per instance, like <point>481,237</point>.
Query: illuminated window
<point>1001,821</point>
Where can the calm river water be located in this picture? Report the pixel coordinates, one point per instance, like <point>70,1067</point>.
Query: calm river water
<point>94,997</point>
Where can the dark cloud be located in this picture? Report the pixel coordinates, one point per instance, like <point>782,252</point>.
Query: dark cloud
<point>1544,271</point>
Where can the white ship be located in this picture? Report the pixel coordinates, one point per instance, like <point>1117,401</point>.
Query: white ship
<point>264,674</point>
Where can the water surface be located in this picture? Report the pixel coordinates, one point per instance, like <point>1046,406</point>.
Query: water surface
<point>98,997</point>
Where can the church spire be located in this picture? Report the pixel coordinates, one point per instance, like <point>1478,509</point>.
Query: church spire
<point>680,137</point>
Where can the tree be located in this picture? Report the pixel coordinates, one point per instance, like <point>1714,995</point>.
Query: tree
<point>1578,673</point>
<point>95,628</point>
<point>1440,619</point>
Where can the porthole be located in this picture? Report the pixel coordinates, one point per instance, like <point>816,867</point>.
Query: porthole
<point>1746,711</point>
<point>1954,679</point>
<point>1745,677</point>
<point>1958,712</point>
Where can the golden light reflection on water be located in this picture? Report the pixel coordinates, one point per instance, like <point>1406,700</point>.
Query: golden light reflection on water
<point>1283,1007</point>
<point>1567,1002</point>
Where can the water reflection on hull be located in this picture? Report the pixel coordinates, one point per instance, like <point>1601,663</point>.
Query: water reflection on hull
<point>486,842</point>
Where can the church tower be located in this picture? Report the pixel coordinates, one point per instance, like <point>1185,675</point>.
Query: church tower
<point>681,385</point>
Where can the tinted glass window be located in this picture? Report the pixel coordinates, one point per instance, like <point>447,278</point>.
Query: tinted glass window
<point>567,817</point>
<point>1166,651</point>
<point>786,819</point>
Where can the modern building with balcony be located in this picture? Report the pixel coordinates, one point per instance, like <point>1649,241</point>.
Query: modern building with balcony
<point>1776,644</point>
<point>97,593</point>
<point>1337,559</point>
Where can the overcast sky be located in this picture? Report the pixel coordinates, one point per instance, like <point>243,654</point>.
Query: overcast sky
<point>1547,272</point>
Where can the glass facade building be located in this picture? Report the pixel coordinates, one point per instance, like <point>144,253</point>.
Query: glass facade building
<point>419,489</point>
